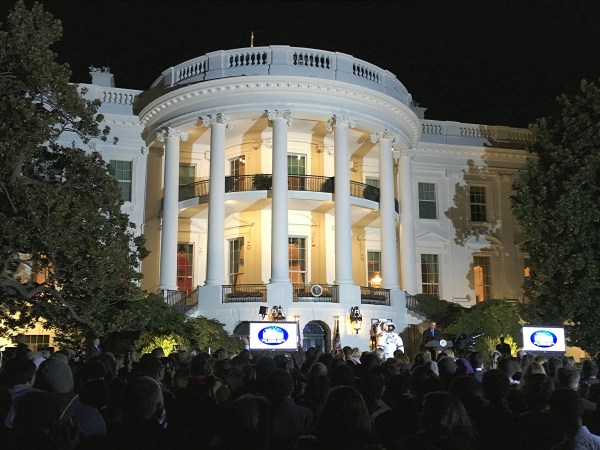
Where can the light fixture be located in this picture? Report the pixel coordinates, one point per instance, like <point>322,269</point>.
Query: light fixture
<point>277,314</point>
<point>375,282</point>
<point>262,311</point>
<point>356,318</point>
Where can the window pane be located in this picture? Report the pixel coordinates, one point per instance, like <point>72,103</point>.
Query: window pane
<point>185,258</point>
<point>482,278</point>
<point>478,204</point>
<point>121,171</point>
<point>236,261</point>
<point>373,264</point>
<point>297,259</point>
<point>187,173</point>
<point>430,274</point>
<point>371,181</point>
<point>296,164</point>
<point>427,201</point>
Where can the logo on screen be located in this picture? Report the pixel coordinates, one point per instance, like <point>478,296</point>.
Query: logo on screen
<point>273,335</point>
<point>544,339</point>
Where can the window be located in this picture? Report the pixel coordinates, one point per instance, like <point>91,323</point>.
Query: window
<point>237,166</point>
<point>185,258</point>
<point>296,166</point>
<point>482,278</point>
<point>372,181</point>
<point>478,207</point>
<point>526,268</point>
<point>297,262</point>
<point>187,174</point>
<point>121,170</point>
<point>373,264</point>
<point>236,261</point>
<point>430,274</point>
<point>427,201</point>
<point>37,342</point>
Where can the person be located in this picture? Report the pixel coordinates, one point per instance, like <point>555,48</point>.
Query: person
<point>389,340</point>
<point>503,347</point>
<point>431,333</point>
<point>95,348</point>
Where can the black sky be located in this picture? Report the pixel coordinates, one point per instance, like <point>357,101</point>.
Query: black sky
<point>498,63</point>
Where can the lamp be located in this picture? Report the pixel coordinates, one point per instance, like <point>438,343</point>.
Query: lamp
<point>277,313</point>
<point>356,318</point>
<point>375,282</point>
<point>262,311</point>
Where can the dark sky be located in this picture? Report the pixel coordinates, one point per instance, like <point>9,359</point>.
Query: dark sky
<point>497,63</point>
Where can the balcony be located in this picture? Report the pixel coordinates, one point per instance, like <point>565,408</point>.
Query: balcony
<point>244,293</point>
<point>263,181</point>
<point>328,293</point>
<point>374,296</point>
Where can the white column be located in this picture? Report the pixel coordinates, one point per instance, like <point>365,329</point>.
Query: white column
<point>215,251</point>
<point>279,215</point>
<point>387,210</point>
<point>408,254</point>
<point>343,226</point>
<point>279,288</point>
<point>170,213</point>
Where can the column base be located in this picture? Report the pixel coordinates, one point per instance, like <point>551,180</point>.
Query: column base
<point>280,293</point>
<point>210,295</point>
<point>349,295</point>
<point>164,288</point>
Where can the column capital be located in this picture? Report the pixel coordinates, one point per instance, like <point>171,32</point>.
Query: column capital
<point>171,132</point>
<point>385,135</point>
<point>405,153</point>
<point>218,119</point>
<point>339,120</point>
<point>273,114</point>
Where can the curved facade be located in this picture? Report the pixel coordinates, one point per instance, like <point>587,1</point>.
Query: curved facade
<point>307,180</point>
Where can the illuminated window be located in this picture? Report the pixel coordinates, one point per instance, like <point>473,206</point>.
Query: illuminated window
<point>187,174</point>
<point>478,204</point>
<point>296,166</point>
<point>297,259</point>
<point>237,166</point>
<point>121,171</point>
<point>427,201</point>
<point>430,274</point>
<point>373,264</point>
<point>482,278</point>
<point>185,259</point>
<point>37,342</point>
<point>236,261</point>
<point>526,268</point>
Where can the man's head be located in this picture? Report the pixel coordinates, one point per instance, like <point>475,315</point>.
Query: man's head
<point>432,325</point>
<point>96,342</point>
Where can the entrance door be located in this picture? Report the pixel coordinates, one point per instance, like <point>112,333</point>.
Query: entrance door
<point>314,335</point>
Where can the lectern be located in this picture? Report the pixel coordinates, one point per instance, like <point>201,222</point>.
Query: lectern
<point>435,347</point>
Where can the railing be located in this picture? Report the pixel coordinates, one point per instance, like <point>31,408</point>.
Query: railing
<point>302,293</point>
<point>374,296</point>
<point>182,301</point>
<point>492,133</point>
<point>284,60</point>
<point>412,303</point>
<point>244,293</point>
<point>263,181</point>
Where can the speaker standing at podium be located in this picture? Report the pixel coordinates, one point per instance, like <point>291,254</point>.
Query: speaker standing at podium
<point>431,333</point>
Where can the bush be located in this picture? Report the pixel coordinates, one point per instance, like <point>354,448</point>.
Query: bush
<point>441,311</point>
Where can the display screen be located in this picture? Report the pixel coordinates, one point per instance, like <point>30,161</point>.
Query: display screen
<point>273,336</point>
<point>544,339</point>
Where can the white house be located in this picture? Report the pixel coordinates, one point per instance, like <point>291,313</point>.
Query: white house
<point>307,180</point>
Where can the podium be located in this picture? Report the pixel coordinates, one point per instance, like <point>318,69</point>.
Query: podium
<point>436,346</point>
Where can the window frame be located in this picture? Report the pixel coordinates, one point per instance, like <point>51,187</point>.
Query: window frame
<point>421,201</point>
<point>240,258</point>
<point>122,182</point>
<point>483,207</point>
<point>306,259</point>
<point>437,274</point>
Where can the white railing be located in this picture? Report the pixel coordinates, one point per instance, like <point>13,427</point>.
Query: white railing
<point>111,95</point>
<point>475,131</point>
<point>284,60</point>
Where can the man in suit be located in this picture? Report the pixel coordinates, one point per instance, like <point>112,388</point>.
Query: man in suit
<point>431,333</point>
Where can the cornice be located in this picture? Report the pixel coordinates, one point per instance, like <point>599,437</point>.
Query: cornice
<point>479,152</point>
<point>214,89</point>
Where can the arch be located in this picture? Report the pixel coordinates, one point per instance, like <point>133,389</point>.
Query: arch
<point>316,333</point>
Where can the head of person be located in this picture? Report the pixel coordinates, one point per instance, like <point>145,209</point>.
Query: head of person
<point>142,400</point>
<point>444,412</point>
<point>158,353</point>
<point>496,385</point>
<point>96,342</point>
<point>55,376</point>
<point>589,369</point>
<point>245,424</point>
<point>432,325</point>
<point>280,385</point>
<point>17,371</point>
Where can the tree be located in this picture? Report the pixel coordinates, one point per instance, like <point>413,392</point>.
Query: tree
<point>60,208</point>
<point>557,204</point>
<point>204,333</point>
<point>441,311</point>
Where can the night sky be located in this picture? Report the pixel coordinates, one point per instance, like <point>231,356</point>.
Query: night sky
<point>496,63</point>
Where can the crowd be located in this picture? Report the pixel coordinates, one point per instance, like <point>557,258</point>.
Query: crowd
<point>301,400</point>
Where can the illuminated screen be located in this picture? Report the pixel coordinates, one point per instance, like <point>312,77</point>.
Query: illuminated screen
<point>544,339</point>
<point>273,336</point>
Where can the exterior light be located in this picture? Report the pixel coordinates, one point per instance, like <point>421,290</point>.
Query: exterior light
<point>277,314</point>
<point>356,318</point>
<point>375,282</point>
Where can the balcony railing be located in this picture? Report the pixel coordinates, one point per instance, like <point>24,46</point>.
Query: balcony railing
<point>306,293</point>
<point>182,301</point>
<point>263,181</point>
<point>244,293</point>
<point>412,303</point>
<point>374,296</point>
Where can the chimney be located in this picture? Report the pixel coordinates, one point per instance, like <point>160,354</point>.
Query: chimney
<point>102,76</point>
